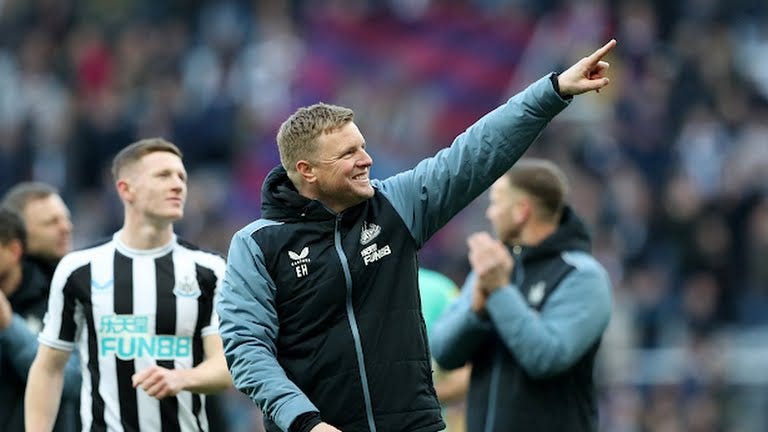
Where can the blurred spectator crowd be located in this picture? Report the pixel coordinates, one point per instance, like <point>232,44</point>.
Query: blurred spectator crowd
<point>669,165</point>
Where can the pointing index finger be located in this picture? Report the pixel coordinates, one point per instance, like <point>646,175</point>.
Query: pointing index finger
<point>602,51</point>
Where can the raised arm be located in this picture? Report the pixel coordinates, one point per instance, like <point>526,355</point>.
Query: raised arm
<point>429,195</point>
<point>44,387</point>
<point>248,327</point>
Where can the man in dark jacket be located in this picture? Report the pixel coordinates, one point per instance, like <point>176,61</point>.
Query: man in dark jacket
<point>49,237</point>
<point>48,228</point>
<point>532,312</point>
<point>18,342</point>
<point>319,309</point>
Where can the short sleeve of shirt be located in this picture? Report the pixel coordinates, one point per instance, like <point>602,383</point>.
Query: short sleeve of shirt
<point>216,265</point>
<point>62,320</point>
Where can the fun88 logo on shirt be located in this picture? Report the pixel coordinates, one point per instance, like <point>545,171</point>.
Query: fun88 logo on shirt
<point>128,337</point>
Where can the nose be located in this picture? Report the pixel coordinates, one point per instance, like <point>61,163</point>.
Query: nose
<point>366,160</point>
<point>179,184</point>
<point>66,225</point>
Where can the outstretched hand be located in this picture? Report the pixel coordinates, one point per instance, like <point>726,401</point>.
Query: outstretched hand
<point>587,74</point>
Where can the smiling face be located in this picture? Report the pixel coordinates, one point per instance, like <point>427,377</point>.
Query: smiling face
<point>155,187</point>
<point>338,173</point>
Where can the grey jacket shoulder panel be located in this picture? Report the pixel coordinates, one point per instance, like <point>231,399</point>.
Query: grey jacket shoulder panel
<point>249,328</point>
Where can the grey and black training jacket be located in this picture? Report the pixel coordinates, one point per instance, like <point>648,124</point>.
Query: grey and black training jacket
<point>320,311</point>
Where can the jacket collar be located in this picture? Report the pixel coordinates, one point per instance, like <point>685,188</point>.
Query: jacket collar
<point>280,201</point>
<point>570,235</point>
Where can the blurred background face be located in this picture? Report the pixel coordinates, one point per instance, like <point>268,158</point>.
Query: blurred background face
<point>507,210</point>
<point>49,228</point>
<point>10,255</point>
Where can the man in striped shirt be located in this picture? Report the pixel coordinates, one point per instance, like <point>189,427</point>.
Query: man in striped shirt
<point>140,310</point>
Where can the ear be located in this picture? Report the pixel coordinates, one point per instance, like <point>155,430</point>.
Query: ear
<point>124,190</point>
<point>16,249</point>
<point>306,171</point>
<point>525,210</point>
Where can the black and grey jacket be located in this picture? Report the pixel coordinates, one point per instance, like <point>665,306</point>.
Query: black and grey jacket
<point>320,311</point>
<point>533,356</point>
<point>18,347</point>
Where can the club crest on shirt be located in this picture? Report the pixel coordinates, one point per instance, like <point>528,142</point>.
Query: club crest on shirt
<point>187,287</point>
<point>536,293</point>
<point>369,232</point>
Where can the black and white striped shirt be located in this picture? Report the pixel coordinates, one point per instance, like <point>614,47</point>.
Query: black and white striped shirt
<point>126,310</point>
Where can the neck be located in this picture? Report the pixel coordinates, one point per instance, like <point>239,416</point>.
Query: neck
<point>10,281</point>
<point>311,193</point>
<point>535,233</point>
<point>146,235</point>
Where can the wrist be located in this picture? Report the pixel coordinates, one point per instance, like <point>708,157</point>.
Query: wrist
<point>554,78</point>
<point>494,287</point>
<point>305,422</point>
<point>186,378</point>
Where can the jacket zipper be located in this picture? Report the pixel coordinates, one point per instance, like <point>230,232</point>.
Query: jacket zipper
<point>353,325</point>
<point>493,390</point>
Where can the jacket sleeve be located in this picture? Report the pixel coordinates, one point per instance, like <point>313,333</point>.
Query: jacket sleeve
<point>572,319</point>
<point>20,345</point>
<point>459,331</point>
<point>248,325</point>
<point>430,194</point>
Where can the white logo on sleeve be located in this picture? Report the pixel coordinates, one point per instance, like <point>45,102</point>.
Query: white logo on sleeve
<point>299,261</point>
<point>369,232</point>
<point>536,293</point>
